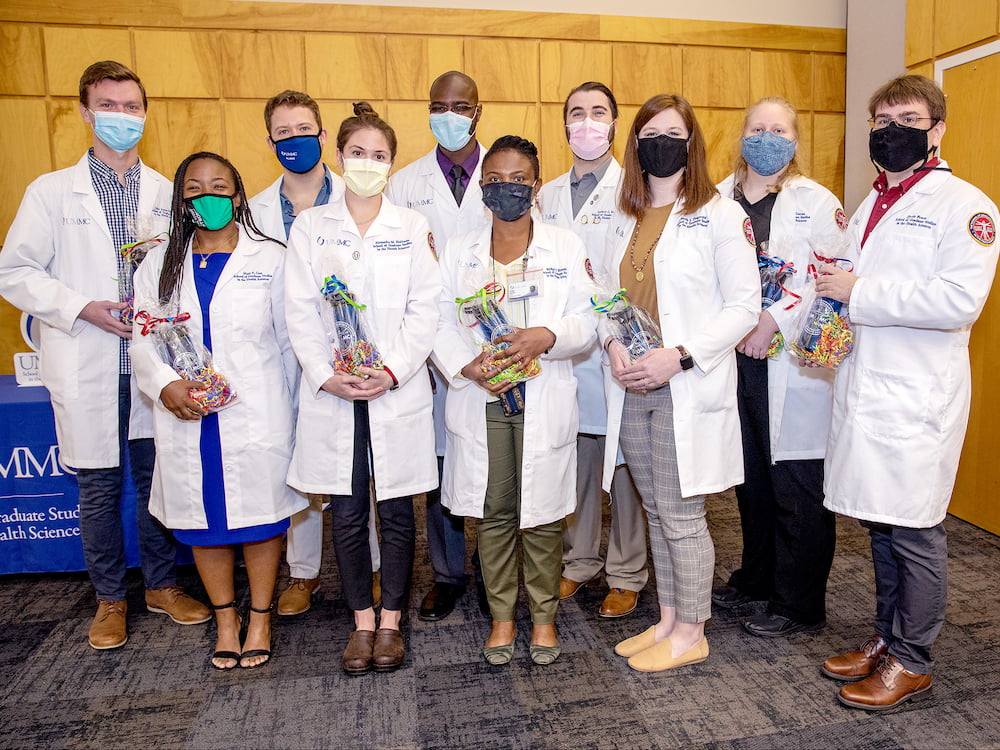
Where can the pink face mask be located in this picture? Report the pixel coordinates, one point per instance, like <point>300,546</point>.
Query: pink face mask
<point>589,139</point>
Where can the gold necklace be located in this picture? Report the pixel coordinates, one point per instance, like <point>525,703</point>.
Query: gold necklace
<point>639,275</point>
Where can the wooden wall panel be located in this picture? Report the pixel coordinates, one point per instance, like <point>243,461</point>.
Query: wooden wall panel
<point>565,65</point>
<point>553,150</point>
<point>25,132</point>
<point>259,64</point>
<point>246,145</point>
<point>716,77</point>
<point>180,128</point>
<point>504,70</point>
<point>341,66</point>
<point>720,34</point>
<point>69,135</point>
<point>919,31</point>
<point>23,71</point>
<point>509,119</point>
<point>828,152</point>
<point>413,62</point>
<point>974,21</point>
<point>829,83</point>
<point>179,64</point>
<point>787,74</point>
<point>413,131</point>
<point>626,116</point>
<point>644,70</point>
<point>721,128</point>
<point>68,53</point>
<point>923,69</point>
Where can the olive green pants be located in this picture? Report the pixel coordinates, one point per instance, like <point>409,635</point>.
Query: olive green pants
<point>499,530</point>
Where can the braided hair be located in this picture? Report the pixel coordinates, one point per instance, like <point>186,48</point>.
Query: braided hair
<point>182,227</point>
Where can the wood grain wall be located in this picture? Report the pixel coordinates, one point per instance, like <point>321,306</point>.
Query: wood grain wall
<point>208,68</point>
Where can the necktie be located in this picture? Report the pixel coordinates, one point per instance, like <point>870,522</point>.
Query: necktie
<point>457,189</point>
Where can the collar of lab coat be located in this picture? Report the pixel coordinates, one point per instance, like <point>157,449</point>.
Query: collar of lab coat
<point>542,247</point>
<point>611,176</point>
<point>84,187</point>
<point>389,216</point>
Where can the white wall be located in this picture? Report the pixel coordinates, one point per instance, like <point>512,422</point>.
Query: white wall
<point>825,13</point>
<point>876,42</point>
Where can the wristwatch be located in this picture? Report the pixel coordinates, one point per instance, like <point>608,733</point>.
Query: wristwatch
<point>687,361</point>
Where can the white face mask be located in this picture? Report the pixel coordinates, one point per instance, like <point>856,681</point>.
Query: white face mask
<point>365,177</point>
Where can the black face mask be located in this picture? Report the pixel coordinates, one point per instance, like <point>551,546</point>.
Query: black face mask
<point>662,156</point>
<point>508,201</point>
<point>896,147</point>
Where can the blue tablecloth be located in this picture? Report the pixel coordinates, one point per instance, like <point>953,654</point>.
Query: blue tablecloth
<point>39,507</point>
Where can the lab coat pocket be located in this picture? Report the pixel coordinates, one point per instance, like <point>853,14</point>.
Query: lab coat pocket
<point>895,406</point>
<point>392,282</point>
<point>251,314</point>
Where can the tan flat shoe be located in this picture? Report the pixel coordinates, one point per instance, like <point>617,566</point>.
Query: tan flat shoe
<point>657,657</point>
<point>635,644</point>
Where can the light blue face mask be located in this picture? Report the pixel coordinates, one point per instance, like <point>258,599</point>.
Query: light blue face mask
<point>117,130</point>
<point>767,153</point>
<point>451,130</point>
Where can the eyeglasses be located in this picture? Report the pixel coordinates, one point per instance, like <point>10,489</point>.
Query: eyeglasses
<point>906,120</point>
<point>465,110</point>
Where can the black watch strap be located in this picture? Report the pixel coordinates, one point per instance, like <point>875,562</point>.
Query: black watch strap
<point>687,361</point>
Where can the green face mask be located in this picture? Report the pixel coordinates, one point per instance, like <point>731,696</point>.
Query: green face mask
<point>210,211</point>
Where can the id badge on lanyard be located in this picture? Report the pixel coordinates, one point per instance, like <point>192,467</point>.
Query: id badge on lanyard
<point>524,285</point>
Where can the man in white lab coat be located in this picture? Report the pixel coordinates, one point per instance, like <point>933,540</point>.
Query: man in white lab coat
<point>926,252</point>
<point>583,200</point>
<point>444,187</point>
<point>62,263</point>
<point>296,135</point>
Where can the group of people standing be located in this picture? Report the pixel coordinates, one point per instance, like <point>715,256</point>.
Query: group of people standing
<point>707,410</point>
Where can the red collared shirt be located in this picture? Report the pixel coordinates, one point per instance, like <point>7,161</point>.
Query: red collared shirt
<point>887,196</point>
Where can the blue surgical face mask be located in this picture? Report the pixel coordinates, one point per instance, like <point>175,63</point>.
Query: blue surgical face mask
<point>767,153</point>
<point>300,153</point>
<point>117,130</point>
<point>508,201</point>
<point>451,130</point>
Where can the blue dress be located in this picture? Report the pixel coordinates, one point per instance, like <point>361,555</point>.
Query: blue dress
<point>213,490</point>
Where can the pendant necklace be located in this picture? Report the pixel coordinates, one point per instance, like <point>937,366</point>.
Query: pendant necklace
<point>639,274</point>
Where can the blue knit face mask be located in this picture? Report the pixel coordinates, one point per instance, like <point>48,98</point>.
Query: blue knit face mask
<point>767,153</point>
<point>300,153</point>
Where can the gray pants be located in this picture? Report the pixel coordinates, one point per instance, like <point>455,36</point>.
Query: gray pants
<point>911,590</point>
<point>626,559</point>
<point>683,553</point>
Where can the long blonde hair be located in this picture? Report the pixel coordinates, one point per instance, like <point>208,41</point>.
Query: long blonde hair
<point>740,164</point>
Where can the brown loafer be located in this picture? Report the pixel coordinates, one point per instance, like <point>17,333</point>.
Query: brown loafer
<point>568,587</point>
<point>389,650</point>
<point>886,688</point>
<point>619,602</point>
<point>358,654</point>
<point>858,664</point>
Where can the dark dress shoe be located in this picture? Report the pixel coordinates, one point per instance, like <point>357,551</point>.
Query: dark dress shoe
<point>440,601</point>
<point>389,650</point>
<point>767,625</point>
<point>358,654</point>
<point>729,597</point>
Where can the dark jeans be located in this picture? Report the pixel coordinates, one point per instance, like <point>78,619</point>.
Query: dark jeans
<point>911,590</point>
<point>788,536</point>
<point>350,514</point>
<point>101,516</point>
<point>445,539</point>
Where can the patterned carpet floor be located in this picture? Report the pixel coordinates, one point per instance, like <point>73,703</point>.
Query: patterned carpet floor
<point>159,692</point>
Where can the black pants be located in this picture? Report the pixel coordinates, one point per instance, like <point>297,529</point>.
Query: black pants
<point>350,515</point>
<point>788,536</point>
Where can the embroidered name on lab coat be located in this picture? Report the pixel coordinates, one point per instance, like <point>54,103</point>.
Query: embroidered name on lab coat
<point>690,222</point>
<point>164,212</point>
<point>392,246</point>
<point>801,217</point>
<point>253,276</point>
<point>555,273</point>
<point>915,220</point>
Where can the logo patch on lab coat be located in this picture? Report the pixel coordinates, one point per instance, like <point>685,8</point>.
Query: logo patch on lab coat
<point>748,232</point>
<point>589,268</point>
<point>841,218</point>
<point>430,245</point>
<point>982,228</point>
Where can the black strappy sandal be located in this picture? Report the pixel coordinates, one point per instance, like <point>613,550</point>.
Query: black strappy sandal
<point>226,654</point>
<point>257,651</point>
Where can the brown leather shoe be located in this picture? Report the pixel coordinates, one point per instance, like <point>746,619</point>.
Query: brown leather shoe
<point>389,650</point>
<point>358,654</point>
<point>174,602</point>
<point>858,664</point>
<point>886,688</point>
<point>297,596</point>
<point>619,602</point>
<point>568,587</point>
<point>108,628</point>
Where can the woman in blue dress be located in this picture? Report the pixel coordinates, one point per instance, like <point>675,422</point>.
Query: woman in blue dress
<point>219,479</point>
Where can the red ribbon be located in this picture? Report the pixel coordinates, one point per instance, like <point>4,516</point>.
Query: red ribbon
<point>148,322</point>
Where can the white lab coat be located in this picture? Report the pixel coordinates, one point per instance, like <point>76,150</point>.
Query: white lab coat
<point>266,205</point>
<point>548,466</point>
<point>422,186</point>
<point>901,400</point>
<point>708,293</point>
<point>393,271</point>
<point>58,257</point>
<point>592,225</point>
<point>799,399</point>
<point>250,348</point>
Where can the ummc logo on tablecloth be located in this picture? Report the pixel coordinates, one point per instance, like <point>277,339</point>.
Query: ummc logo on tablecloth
<point>26,363</point>
<point>25,465</point>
